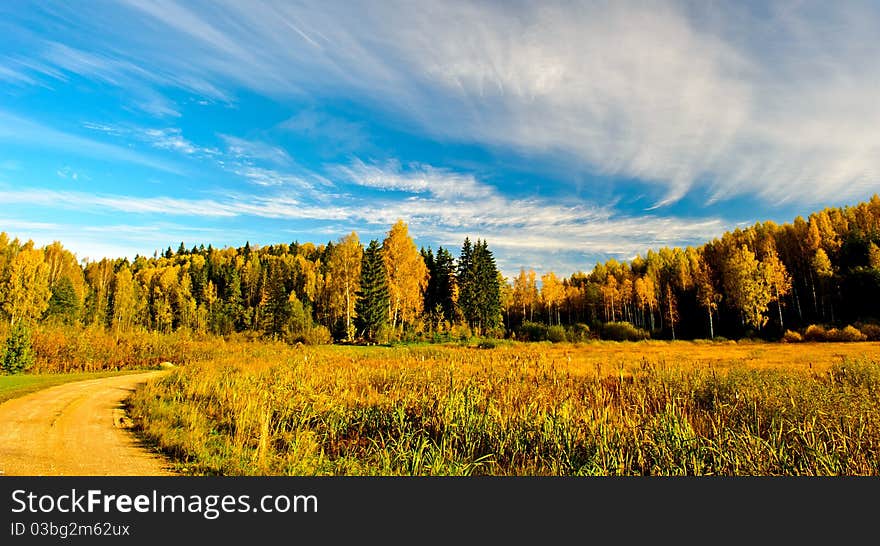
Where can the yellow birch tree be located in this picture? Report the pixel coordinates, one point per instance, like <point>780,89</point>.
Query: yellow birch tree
<point>406,273</point>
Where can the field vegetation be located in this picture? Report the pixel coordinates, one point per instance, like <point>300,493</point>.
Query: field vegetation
<point>510,408</point>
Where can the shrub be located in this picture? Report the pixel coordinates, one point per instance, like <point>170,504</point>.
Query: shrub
<point>815,333</point>
<point>314,335</point>
<point>623,331</point>
<point>791,337</point>
<point>556,334</point>
<point>851,333</point>
<point>846,334</point>
<point>63,349</point>
<point>532,331</point>
<point>871,331</point>
<point>461,332</point>
<point>18,354</point>
<point>579,332</point>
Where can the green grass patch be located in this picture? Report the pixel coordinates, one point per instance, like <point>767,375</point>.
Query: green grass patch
<point>13,386</point>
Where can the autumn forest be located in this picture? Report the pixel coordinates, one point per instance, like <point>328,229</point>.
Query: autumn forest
<point>818,276</point>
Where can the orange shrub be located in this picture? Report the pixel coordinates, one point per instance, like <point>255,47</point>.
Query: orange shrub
<point>846,334</point>
<point>815,332</point>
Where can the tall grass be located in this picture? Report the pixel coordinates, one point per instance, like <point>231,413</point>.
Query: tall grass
<point>442,410</point>
<point>65,349</point>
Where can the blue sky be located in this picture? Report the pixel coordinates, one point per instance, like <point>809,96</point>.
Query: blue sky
<point>563,133</point>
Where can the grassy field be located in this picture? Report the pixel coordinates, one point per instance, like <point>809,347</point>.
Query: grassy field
<point>13,386</point>
<point>603,408</point>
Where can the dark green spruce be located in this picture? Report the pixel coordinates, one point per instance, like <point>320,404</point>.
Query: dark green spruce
<point>371,308</point>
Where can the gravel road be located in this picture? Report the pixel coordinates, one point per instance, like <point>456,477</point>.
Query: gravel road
<point>76,429</point>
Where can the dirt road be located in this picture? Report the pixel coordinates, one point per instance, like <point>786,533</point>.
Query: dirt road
<point>75,429</point>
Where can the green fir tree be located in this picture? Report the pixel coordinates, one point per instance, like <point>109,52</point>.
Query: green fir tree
<point>372,298</point>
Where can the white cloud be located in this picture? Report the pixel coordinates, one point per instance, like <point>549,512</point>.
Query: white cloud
<point>67,172</point>
<point>775,101</point>
<point>24,131</point>
<point>436,210</point>
<point>105,128</point>
<point>12,225</point>
<point>170,139</point>
<point>260,176</point>
<point>118,203</point>
<point>254,149</point>
<point>239,157</point>
<point>417,179</point>
<point>14,76</point>
<point>338,134</point>
<point>117,240</point>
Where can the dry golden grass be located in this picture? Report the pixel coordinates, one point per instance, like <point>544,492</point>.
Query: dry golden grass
<point>535,409</point>
<point>583,358</point>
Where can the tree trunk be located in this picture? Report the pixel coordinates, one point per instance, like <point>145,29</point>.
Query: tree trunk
<point>779,307</point>
<point>815,299</point>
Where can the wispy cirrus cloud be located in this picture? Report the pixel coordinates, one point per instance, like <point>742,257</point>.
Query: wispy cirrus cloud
<point>164,138</point>
<point>245,149</point>
<point>238,156</point>
<point>773,101</point>
<point>448,206</point>
<point>418,179</point>
<point>171,139</point>
<point>19,130</point>
<point>340,134</point>
<point>314,185</point>
<point>84,201</point>
<point>15,76</point>
<point>68,173</point>
<point>116,240</point>
<point>529,231</point>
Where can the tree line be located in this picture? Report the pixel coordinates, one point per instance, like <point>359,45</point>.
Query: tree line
<point>760,280</point>
<point>298,291</point>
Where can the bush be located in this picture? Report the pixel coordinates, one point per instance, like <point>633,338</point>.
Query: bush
<point>791,337</point>
<point>18,354</point>
<point>871,331</point>
<point>847,334</point>
<point>537,331</point>
<point>851,333</point>
<point>460,332</point>
<point>532,331</point>
<point>314,335</point>
<point>623,331</point>
<point>815,333</point>
<point>556,334</point>
<point>496,332</point>
<point>579,332</point>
